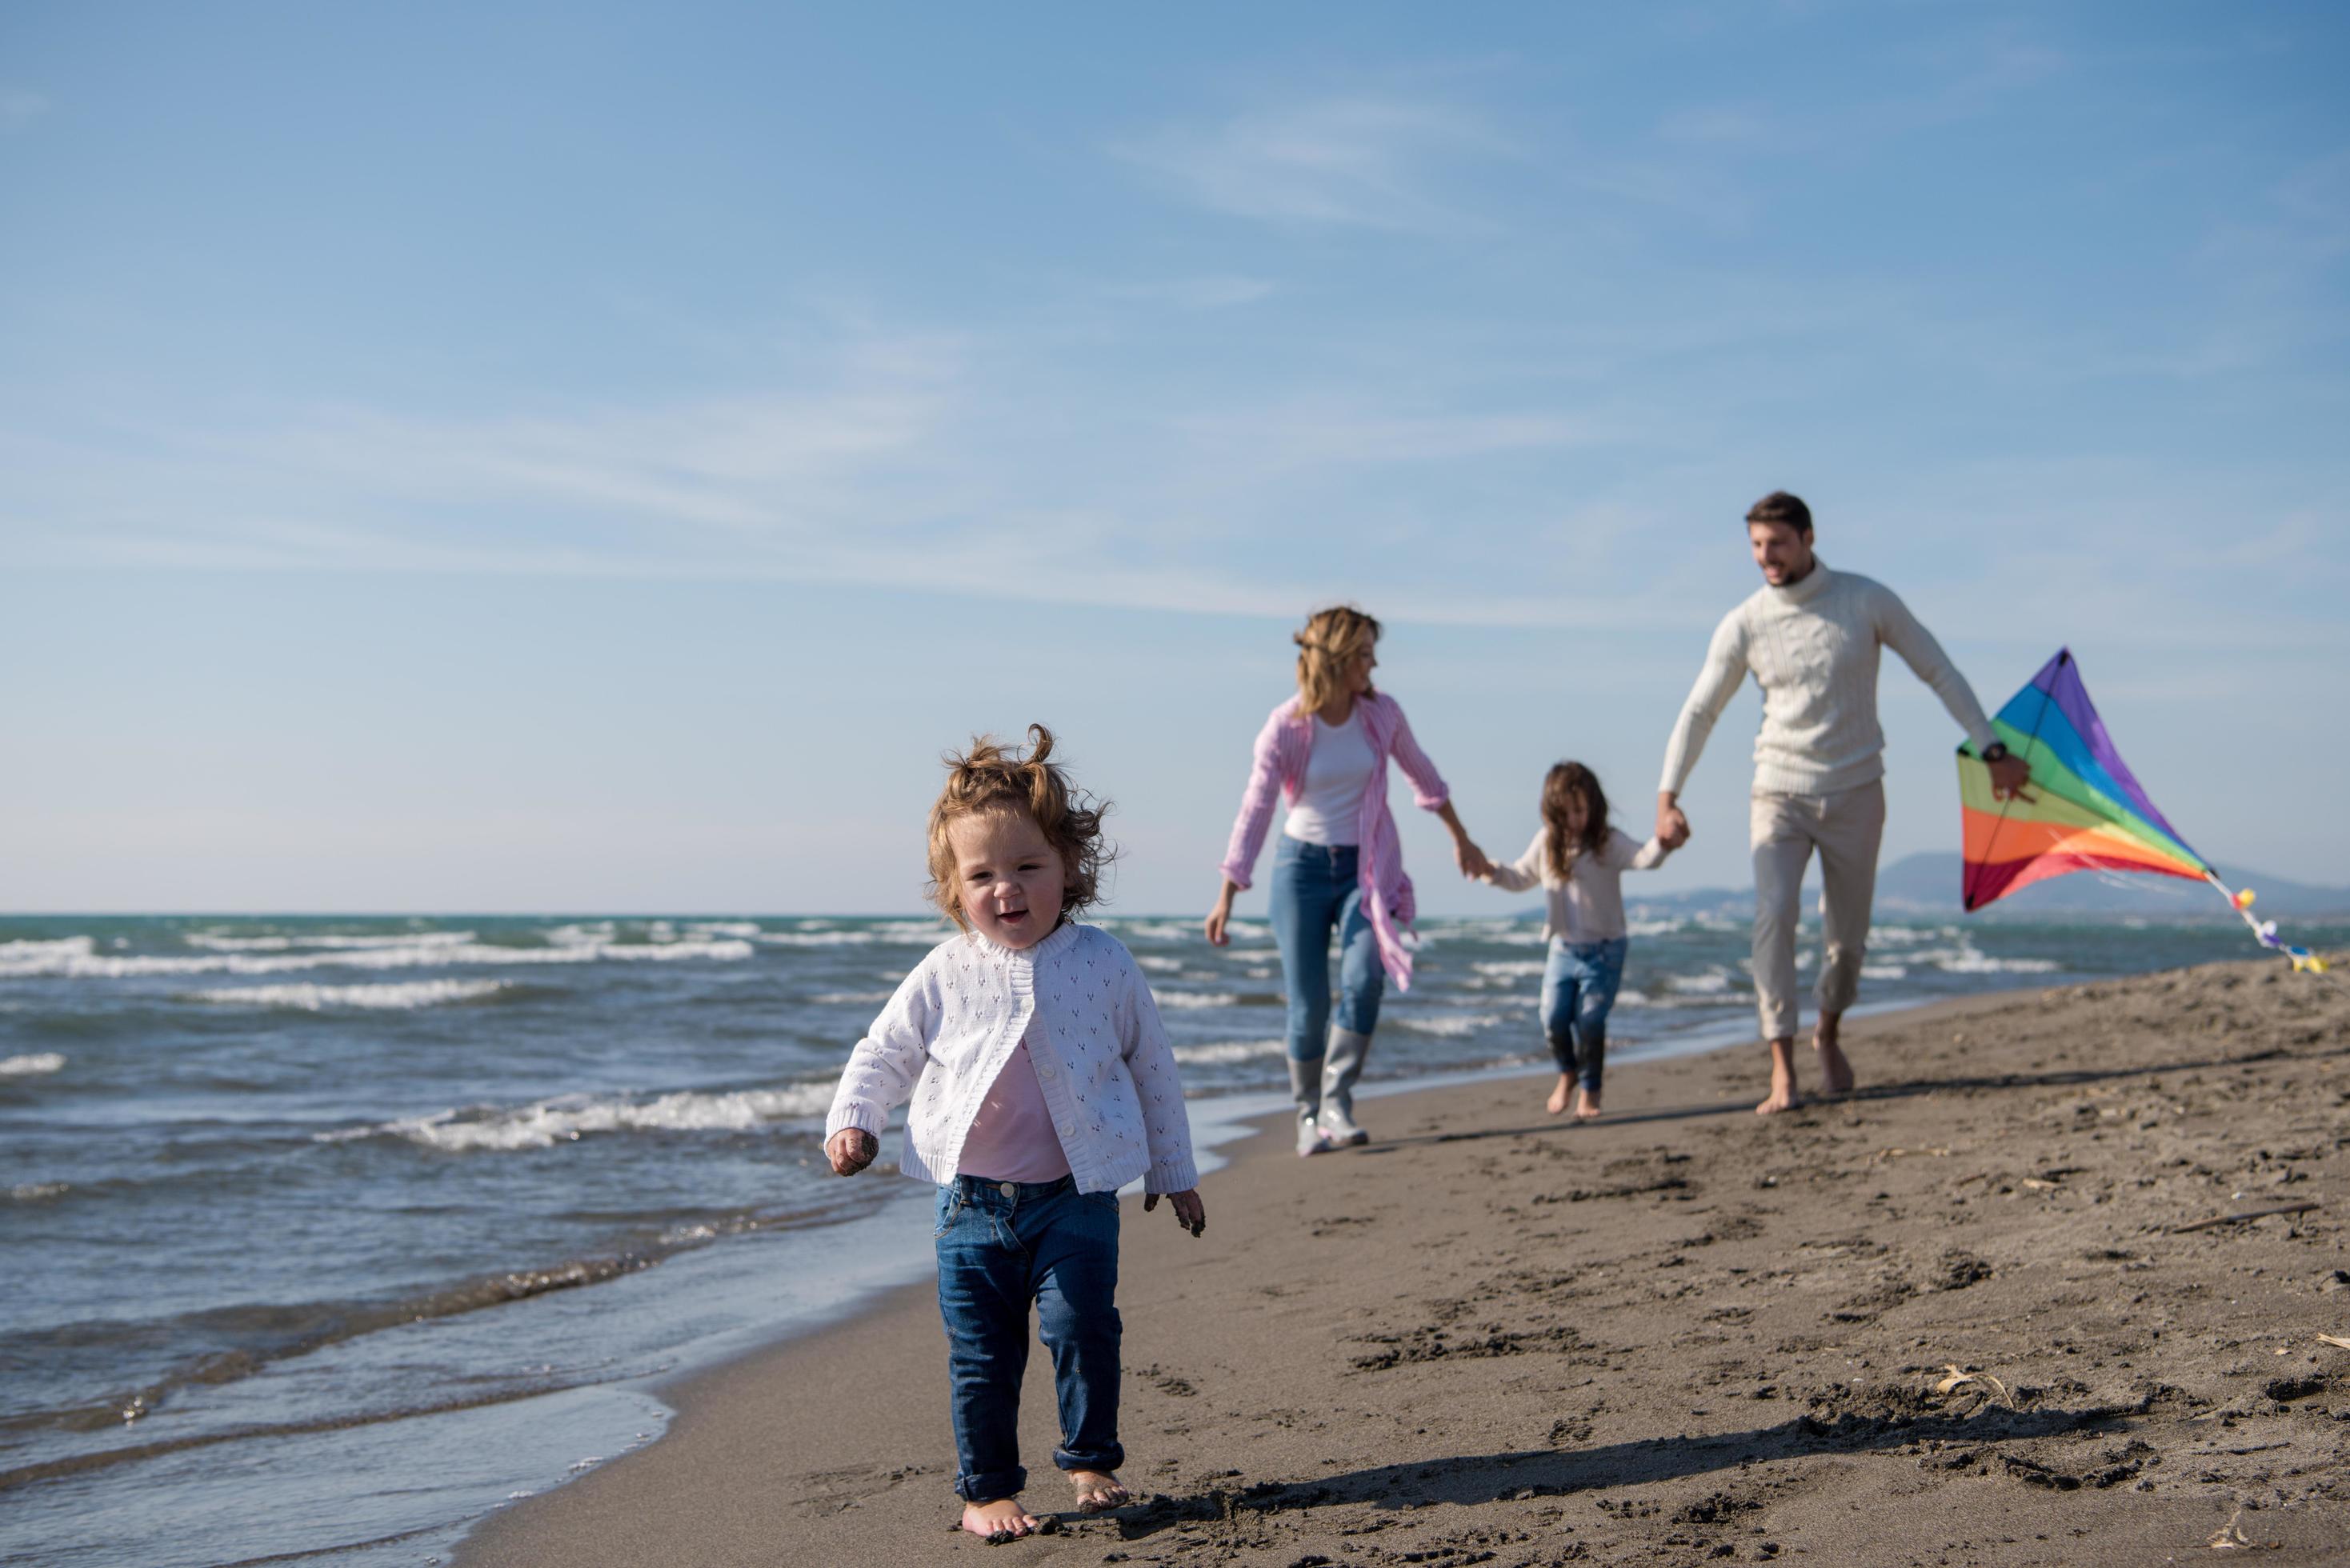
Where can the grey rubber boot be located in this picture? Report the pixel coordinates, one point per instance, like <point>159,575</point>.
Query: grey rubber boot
<point>1340,1068</point>
<point>1305,1088</point>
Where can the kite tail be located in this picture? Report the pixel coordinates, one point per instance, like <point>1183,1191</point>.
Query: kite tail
<point>2265,931</point>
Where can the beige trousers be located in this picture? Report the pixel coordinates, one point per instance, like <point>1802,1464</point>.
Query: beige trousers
<point>1845,828</point>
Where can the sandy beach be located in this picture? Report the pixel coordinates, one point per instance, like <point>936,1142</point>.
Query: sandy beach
<point>1966,1315</point>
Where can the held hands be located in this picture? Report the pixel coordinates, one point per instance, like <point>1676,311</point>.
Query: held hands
<point>1672,824</point>
<point>851,1150</point>
<point>1190,1212</point>
<point>1470,859</point>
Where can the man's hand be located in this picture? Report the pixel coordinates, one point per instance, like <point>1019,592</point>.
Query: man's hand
<point>1672,824</point>
<point>851,1150</point>
<point>2008,777</point>
<point>1190,1212</point>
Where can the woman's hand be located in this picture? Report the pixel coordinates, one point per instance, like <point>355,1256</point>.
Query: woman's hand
<point>851,1150</point>
<point>1470,859</point>
<point>1221,916</point>
<point>1190,1212</point>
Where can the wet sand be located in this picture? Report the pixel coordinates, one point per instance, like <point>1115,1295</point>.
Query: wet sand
<point>1683,1334</point>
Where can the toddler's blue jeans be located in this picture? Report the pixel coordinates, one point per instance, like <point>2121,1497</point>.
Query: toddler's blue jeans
<point>1579,986</point>
<point>1003,1245</point>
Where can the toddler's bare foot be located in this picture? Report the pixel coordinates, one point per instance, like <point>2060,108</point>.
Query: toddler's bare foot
<point>1834,1071</point>
<point>1557,1104</point>
<point>1002,1519</point>
<point>1099,1492</point>
<point>1586,1109</point>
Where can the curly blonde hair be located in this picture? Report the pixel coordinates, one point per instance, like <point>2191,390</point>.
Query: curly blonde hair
<point>1331,639</point>
<point>989,777</point>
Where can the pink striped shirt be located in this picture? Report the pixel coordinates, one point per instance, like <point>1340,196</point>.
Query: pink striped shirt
<point>1282,748</point>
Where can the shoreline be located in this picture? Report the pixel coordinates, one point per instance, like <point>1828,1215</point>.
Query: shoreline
<point>831,1439</point>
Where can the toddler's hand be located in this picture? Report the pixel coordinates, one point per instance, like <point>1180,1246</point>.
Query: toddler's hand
<point>851,1150</point>
<point>1190,1212</point>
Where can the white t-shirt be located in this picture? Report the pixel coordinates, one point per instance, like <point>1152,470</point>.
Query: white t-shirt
<point>1328,809</point>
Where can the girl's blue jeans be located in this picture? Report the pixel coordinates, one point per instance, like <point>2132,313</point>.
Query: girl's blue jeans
<point>1315,892</point>
<point>1002,1246</point>
<point>1579,985</point>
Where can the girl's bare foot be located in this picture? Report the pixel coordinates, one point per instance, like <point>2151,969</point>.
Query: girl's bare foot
<point>1099,1492</point>
<point>1557,1104</point>
<point>1586,1107</point>
<point>1002,1519</point>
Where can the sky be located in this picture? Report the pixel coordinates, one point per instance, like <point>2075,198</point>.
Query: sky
<point>586,457</point>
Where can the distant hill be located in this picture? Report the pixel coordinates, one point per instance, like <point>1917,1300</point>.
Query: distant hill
<point>1927,883</point>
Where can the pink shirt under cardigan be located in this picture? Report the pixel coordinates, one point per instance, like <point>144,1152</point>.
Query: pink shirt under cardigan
<point>1012,1137</point>
<point>1282,748</point>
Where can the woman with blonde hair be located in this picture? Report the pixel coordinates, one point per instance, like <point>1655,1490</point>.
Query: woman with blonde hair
<point>1339,867</point>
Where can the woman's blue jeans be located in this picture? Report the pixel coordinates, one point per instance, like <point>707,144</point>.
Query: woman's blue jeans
<point>1315,892</point>
<point>1579,985</point>
<point>1003,1245</point>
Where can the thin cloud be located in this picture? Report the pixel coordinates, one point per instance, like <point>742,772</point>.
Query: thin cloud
<point>1355,161</point>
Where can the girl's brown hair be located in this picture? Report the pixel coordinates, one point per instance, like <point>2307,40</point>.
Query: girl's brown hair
<point>989,777</point>
<point>1332,636</point>
<point>1560,785</point>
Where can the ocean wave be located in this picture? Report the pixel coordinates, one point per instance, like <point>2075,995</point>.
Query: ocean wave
<point>1905,936</point>
<point>1197,998</point>
<point>850,998</point>
<point>1512,968</point>
<point>1449,1025</point>
<point>1969,960</point>
<point>29,948</point>
<point>393,995</point>
<point>1226,1051</point>
<point>1713,981</point>
<point>1884,972</point>
<point>85,965</point>
<point>1163,965</point>
<point>34,1066</point>
<point>38,1191</point>
<point>893,933</point>
<point>324,939</point>
<point>570,1117</point>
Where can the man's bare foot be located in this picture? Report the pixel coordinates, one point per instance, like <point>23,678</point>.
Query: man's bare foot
<point>1002,1520</point>
<point>1557,1104</point>
<point>1834,1071</point>
<point>1099,1492</point>
<point>1783,1097</point>
<point>1586,1105</point>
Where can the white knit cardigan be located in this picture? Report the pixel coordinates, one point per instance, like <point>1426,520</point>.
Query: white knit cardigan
<point>1101,1055</point>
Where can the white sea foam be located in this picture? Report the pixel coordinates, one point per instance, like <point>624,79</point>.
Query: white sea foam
<point>38,1191</point>
<point>1162,965</point>
<point>1512,968</point>
<point>335,940</point>
<point>1969,960</point>
<point>32,1067</point>
<point>570,1117</point>
<point>1224,1052</point>
<point>393,995</point>
<point>724,927</point>
<point>89,966</point>
<point>850,998</point>
<point>817,934</point>
<point>1450,1025</point>
<point>1907,936</point>
<point>1196,999</point>
<point>1884,972</point>
<point>36,947</point>
<point>1713,981</point>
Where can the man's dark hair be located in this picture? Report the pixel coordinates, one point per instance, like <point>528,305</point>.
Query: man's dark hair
<point>1781,507</point>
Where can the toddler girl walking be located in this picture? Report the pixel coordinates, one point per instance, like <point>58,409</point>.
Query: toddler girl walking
<point>1041,1082</point>
<point>1579,862</point>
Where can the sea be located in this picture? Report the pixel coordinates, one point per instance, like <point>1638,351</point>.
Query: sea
<point>323,1237</point>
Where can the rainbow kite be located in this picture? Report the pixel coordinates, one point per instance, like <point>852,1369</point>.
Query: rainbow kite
<point>2083,811</point>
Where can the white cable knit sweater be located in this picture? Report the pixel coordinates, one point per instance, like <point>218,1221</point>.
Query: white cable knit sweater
<point>1102,1058</point>
<point>1812,647</point>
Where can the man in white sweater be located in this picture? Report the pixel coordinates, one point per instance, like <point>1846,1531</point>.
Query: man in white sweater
<point>1810,638</point>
